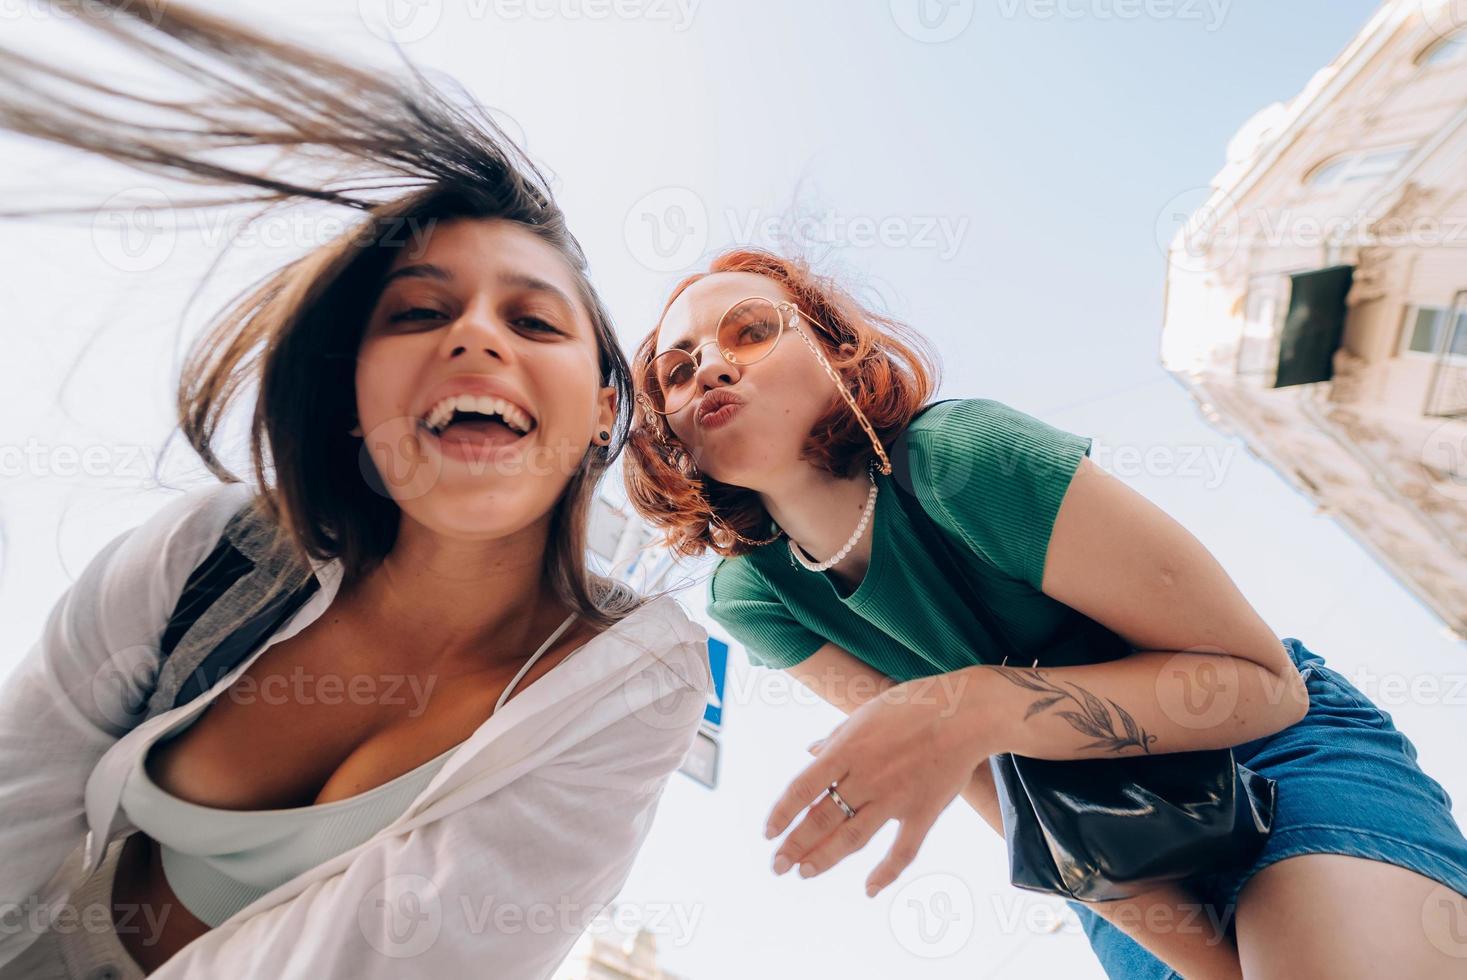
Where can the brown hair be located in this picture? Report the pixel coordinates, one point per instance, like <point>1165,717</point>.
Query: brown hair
<point>890,371</point>
<point>402,153</point>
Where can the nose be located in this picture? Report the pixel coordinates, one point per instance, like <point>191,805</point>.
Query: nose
<point>477,328</point>
<point>712,369</point>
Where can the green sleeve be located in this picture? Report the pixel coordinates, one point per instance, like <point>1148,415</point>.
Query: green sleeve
<point>995,476</point>
<point>742,602</point>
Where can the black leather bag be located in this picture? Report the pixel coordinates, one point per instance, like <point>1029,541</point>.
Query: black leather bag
<point>1102,829</point>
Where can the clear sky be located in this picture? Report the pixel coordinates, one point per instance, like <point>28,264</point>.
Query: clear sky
<point>995,174</point>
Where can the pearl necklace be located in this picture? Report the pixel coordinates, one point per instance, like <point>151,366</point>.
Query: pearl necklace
<point>855,535</point>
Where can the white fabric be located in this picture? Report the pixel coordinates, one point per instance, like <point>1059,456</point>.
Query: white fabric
<point>520,838</point>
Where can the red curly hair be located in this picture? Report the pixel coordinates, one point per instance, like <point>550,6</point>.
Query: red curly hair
<point>890,372</point>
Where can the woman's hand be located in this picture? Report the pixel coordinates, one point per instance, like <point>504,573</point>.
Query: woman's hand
<point>905,754</point>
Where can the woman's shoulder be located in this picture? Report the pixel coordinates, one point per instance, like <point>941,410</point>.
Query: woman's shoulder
<point>983,424</point>
<point>994,475</point>
<point>983,439</point>
<point>673,644</point>
<point>144,568</point>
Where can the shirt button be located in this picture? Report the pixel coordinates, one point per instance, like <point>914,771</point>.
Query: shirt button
<point>108,972</point>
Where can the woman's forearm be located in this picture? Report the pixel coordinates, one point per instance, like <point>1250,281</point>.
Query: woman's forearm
<point>1148,702</point>
<point>1169,921</point>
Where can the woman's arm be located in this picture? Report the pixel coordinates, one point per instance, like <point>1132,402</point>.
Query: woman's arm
<point>82,686</point>
<point>1208,672</point>
<point>847,682</point>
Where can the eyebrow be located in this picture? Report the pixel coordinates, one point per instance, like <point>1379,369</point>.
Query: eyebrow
<point>686,343</point>
<point>521,280</point>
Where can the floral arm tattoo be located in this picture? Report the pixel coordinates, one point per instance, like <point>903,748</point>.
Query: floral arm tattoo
<point>1093,718</point>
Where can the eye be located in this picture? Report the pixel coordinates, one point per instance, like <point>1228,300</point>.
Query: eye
<point>415,313</point>
<point>537,324</point>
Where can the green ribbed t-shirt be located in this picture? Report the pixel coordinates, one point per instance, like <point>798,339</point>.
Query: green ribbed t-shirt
<point>991,477</point>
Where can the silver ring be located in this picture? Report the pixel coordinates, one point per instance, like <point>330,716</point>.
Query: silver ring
<point>840,802</point>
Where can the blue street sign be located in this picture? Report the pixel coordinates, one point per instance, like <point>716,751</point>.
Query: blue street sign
<point>718,666</point>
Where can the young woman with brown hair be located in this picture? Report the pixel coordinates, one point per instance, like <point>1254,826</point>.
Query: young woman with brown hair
<point>439,391</point>
<point>773,425</point>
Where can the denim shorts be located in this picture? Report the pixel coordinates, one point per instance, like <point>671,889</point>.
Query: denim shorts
<point>1348,783</point>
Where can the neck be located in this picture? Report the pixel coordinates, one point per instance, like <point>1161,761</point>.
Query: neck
<point>475,603</point>
<point>819,511</point>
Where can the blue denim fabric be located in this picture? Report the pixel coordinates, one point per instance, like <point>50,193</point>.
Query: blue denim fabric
<point>1348,783</point>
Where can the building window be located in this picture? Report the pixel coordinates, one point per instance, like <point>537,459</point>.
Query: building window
<point>1355,167</point>
<point>1448,50</point>
<point>1427,331</point>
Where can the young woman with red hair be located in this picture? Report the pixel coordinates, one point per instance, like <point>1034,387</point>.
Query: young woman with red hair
<point>740,445</point>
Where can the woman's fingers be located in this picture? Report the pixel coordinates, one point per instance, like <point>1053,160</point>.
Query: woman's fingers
<point>903,852</point>
<point>820,821</point>
<point>807,787</point>
<point>848,837</point>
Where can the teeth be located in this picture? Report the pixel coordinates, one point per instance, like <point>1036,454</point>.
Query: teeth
<point>440,413</point>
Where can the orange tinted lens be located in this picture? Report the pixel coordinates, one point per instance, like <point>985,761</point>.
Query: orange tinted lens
<point>669,381</point>
<point>748,331</point>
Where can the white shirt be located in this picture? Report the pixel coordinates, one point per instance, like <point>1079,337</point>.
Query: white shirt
<point>526,832</point>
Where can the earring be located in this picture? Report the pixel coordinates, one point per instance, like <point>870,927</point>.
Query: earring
<point>605,436</point>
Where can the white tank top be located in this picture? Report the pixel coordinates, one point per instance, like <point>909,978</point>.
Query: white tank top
<point>218,861</point>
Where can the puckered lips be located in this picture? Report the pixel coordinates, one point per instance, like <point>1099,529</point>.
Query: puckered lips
<point>717,407</point>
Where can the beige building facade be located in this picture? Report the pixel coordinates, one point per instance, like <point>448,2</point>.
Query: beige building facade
<point>1316,295</point>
